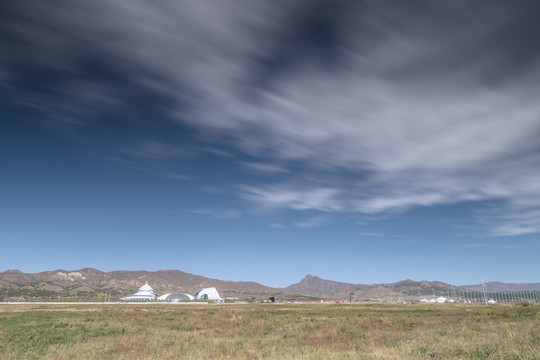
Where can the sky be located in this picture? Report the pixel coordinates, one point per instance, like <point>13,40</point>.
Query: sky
<point>359,141</point>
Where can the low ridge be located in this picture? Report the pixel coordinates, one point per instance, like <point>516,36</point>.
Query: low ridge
<point>121,282</point>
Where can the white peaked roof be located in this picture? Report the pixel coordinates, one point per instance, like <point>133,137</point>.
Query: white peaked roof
<point>424,300</point>
<point>491,301</point>
<point>441,299</point>
<point>146,287</point>
<point>145,293</point>
<point>207,294</point>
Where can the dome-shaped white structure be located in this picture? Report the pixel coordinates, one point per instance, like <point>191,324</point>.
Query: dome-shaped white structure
<point>145,293</point>
<point>207,294</point>
<point>175,297</point>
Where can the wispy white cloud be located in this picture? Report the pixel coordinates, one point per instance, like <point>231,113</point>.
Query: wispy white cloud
<point>426,115</point>
<point>371,234</point>
<point>312,222</point>
<point>515,221</point>
<point>322,199</point>
<point>266,168</point>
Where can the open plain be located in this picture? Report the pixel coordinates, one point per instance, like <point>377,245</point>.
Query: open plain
<point>278,331</point>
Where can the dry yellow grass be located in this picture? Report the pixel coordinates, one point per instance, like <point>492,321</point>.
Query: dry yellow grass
<point>278,331</point>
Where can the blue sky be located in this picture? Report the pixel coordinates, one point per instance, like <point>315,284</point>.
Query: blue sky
<point>362,142</point>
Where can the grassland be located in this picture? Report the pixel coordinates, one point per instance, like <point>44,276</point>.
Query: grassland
<point>277,331</point>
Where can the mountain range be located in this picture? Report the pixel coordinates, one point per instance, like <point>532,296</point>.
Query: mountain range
<point>92,282</point>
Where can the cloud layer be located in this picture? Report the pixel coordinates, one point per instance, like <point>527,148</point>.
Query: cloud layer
<point>367,107</point>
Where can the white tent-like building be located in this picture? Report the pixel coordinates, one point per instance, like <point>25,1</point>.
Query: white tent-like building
<point>207,294</point>
<point>145,293</point>
<point>175,297</point>
<point>441,299</point>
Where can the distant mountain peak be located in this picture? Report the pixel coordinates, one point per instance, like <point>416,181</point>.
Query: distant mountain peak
<point>12,271</point>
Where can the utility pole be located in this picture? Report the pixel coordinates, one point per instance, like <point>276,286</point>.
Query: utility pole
<point>5,299</point>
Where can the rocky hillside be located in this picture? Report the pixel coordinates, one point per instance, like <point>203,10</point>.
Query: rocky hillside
<point>315,286</point>
<point>92,281</point>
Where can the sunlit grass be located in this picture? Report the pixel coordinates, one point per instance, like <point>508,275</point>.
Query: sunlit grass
<point>279,331</point>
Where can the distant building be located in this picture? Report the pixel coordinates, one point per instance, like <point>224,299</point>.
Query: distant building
<point>175,297</point>
<point>207,294</point>
<point>145,293</point>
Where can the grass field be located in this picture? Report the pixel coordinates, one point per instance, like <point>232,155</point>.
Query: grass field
<point>277,331</point>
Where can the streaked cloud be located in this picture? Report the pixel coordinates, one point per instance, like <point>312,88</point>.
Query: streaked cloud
<point>265,168</point>
<point>313,222</point>
<point>321,199</point>
<point>371,107</point>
